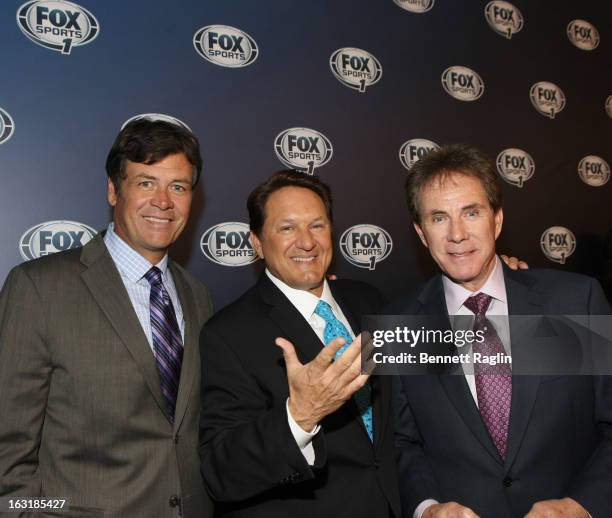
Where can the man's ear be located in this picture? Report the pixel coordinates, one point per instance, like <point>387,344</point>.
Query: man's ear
<point>499,219</point>
<point>419,231</point>
<point>257,245</point>
<point>111,193</point>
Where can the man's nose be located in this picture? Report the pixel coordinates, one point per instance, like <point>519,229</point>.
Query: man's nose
<point>162,199</point>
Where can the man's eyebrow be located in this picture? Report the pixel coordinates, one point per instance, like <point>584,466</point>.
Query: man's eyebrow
<point>147,176</point>
<point>437,212</point>
<point>472,206</point>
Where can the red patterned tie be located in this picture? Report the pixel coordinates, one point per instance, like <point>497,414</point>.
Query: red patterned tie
<point>493,382</point>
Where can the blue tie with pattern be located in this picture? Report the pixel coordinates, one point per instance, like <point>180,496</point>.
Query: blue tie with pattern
<point>336,329</point>
<point>167,342</point>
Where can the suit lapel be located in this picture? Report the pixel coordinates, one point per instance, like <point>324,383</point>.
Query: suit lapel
<point>289,319</point>
<point>105,284</point>
<point>522,300</point>
<point>191,360</point>
<point>455,385</point>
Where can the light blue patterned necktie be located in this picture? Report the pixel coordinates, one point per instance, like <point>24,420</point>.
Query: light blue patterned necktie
<point>336,329</point>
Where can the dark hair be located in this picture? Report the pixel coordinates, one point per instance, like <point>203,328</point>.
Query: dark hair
<point>445,161</point>
<point>256,202</point>
<point>147,141</point>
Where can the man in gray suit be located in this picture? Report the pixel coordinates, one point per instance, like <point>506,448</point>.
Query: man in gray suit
<point>99,360</point>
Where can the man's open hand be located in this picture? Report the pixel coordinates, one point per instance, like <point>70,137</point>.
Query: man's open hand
<point>320,387</point>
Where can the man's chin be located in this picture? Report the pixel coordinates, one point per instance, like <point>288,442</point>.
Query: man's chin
<point>312,284</point>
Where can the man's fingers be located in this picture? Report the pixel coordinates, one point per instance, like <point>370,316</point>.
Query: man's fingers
<point>328,353</point>
<point>291,360</point>
<point>367,363</point>
<point>356,384</point>
<point>514,263</point>
<point>449,510</point>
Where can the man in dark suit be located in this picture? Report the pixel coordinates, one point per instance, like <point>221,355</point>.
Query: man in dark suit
<point>289,431</point>
<point>99,357</point>
<point>483,443</point>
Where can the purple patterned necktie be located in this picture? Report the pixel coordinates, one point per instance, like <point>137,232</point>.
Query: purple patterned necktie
<point>493,382</point>
<point>167,342</point>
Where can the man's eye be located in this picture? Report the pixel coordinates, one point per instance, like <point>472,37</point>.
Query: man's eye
<point>178,188</point>
<point>145,183</point>
<point>437,219</point>
<point>472,213</point>
<point>286,228</point>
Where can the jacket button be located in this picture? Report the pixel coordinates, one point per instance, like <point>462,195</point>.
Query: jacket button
<point>507,481</point>
<point>174,501</point>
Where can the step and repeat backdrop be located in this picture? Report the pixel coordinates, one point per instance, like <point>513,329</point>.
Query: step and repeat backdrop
<point>354,91</point>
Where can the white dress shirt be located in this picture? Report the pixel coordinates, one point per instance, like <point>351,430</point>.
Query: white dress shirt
<point>306,303</point>
<point>132,268</point>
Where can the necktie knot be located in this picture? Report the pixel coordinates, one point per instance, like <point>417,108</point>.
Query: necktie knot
<point>478,304</point>
<point>324,310</point>
<point>154,276</point>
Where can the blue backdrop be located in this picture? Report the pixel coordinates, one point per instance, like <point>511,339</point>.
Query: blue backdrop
<point>242,73</point>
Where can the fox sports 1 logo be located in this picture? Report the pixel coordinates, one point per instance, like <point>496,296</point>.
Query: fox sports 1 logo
<point>225,46</point>
<point>462,83</point>
<point>57,24</point>
<point>515,166</point>
<point>228,244</point>
<point>583,34</point>
<point>157,117</point>
<point>558,243</point>
<point>303,149</point>
<point>415,6</point>
<point>365,245</point>
<point>547,98</point>
<point>53,236</point>
<point>594,171</point>
<point>7,126</point>
<point>355,68</point>
<point>503,18</point>
<point>415,149</point>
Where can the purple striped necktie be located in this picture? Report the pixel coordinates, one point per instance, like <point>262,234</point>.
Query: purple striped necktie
<point>493,382</point>
<point>167,342</point>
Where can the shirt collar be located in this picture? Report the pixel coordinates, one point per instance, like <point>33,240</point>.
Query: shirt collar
<point>495,287</point>
<point>129,262</point>
<point>304,301</point>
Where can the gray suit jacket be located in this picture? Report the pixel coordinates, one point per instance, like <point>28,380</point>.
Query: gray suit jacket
<point>82,413</point>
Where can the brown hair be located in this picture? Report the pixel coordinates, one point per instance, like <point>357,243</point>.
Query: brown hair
<point>147,141</point>
<point>449,159</point>
<point>256,202</point>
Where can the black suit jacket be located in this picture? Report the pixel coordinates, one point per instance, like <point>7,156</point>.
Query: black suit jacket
<point>560,433</point>
<point>250,460</point>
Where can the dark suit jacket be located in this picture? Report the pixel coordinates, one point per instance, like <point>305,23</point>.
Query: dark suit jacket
<point>250,460</point>
<point>560,434</point>
<point>83,416</point>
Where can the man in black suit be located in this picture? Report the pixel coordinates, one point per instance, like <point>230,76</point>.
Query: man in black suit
<point>495,445</point>
<point>293,432</point>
